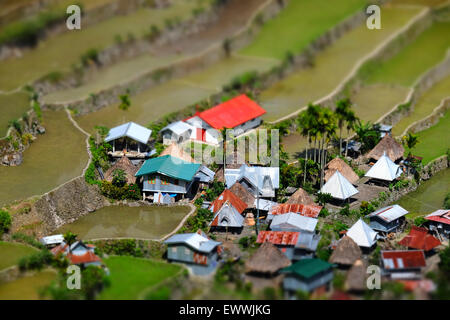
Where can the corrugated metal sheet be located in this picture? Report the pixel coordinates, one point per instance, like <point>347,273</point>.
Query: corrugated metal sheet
<point>278,237</point>
<point>418,238</point>
<point>294,220</point>
<point>441,216</point>
<point>339,187</point>
<point>227,216</point>
<point>255,175</point>
<point>178,127</point>
<point>225,196</point>
<point>384,169</point>
<point>311,211</point>
<point>131,130</point>
<point>193,240</point>
<point>169,166</point>
<point>401,259</point>
<point>390,213</point>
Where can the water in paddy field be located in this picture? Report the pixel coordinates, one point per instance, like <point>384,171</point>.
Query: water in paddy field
<point>26,288</point>
<point>53,159</point>
<point>429,196</point>
<point>123,222</point>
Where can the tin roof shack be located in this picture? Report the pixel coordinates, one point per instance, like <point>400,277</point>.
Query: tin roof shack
<point>420,239</point>
<point>262,180</point>
<point>439,222</point>
<point>78,253</point>
<point>131,140</point>
<point>229,196</point>
<point>167,174</point>
<point>52,241</point>
<point>294,245</point>
<point>346,253</point>
<point>199,253</point>
<point>387,219</point>
<point>293,222</point>
<point>311,211</point>
<point>306,275</point>
<point>262,269</point>
<point>300,196</point>
<point>403,264</point>
<point>227,219</point>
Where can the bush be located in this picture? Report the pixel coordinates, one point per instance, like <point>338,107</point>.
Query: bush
<point>5,222</point>
<point>36,261</point>
<point>419,221</point>
<point>20,237</point>
<point>323,198</point>
<point>366,208</point>
<point>91,55</point>
<point>345,211</point>
<point>247,242</point>
<point>128,191</point>
<point>198,221</point>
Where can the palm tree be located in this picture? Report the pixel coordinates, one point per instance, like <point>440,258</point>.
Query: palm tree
<point>410,141</point>
<point>342,109</point>
<point>367,135</point>
<point>70,238</point>
<point>326,129</point>
<point>351,120</point>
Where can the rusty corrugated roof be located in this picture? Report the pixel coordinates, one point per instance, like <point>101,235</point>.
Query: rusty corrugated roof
<point>311,211</point>
<point>419,238</point>
<point>278,237</point>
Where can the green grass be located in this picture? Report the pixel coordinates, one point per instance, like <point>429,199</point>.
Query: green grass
<point>301,22</point>
<point>130,276</point>
<point>424,105</point>
<point>415,59</point>
<point>11,253</point>
<point>27,287</point>
<point>12,107</point>
<point>434,142</point>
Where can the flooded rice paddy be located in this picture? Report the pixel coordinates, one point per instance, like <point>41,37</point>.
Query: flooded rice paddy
<point>152,222</point>
<point>11,253</point>
<point>12,107</point>
<point>27,287</point>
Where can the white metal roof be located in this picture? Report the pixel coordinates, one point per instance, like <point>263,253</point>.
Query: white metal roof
<point>362,234</point>
<point>255,175</point>
<point>178,127</point>
<point>228,216</point>
<point>439,212</point>
<point>295,220</point>
<point>194,240</point>
<point>384,169</point>
<point>390,213</point>
<point>55,239</point>
<point>131,130</point>
<point>339,187</point>
<point>264,204</point>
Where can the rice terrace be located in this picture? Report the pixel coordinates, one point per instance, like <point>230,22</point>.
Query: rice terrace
<point>139,150</point>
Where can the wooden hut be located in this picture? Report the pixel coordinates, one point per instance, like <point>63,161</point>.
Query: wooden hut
<point>243,194</point>
<point>356,277</point>
<point>337,164</point>
<point>346,253</point>
<point>393,149</point>
<point>300,196</point>
<point>262,269</point>
<point>123,164</point>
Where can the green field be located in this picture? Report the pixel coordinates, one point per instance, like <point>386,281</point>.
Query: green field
<point>331,66</point>
<point>434,142</point>
<point>26,288</point>
<point>59,53</point>
<point>424,105</point>
<point>11,253</point>
<point>300,23</point>
<point>12,106</point>
<point>415,59</point>
<point>131,277</point>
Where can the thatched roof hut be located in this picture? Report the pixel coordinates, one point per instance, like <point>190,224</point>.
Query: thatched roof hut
<point>356,277</point>
<point>268,259</point>
<point>123,164</point>
<point>175,151</point>
<point>243,194</point>
<point>393,149</point>
<point>346,253</point>
<point>300,196</point>
<point>341,166</point>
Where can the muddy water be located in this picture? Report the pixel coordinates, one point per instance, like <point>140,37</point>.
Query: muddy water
<point>54,158</point>
<point>12,106</point>
<point>26,288</point>
<point>429,196</point>
<point>122,221</point>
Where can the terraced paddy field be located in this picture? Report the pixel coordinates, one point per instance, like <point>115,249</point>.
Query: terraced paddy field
<point>174,95</point>
<point>59,53</point>
<point>425,105</point>
<point>132,222</point>
<point>298,25</point>
<point>53,159</point>
<point>332,65</point>
<point>26,288</point>
<point>12,106</point>
<point>429,196</point>
<point>126,285</point>
<point>11,253</point>
<point>434,142</point>
<point>429,3</point>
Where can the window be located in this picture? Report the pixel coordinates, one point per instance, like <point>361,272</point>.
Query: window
<point>152,180</point>
<point>174,249</point>
<point>186,251</point>
<point>164,182</point>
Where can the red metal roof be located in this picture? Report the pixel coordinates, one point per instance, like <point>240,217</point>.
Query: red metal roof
<point>311,211</point>
<point>418,238</point>
<point>88,257</point>
<point>225,196</point>
<point>278,237</point>
<point>232,113</point>
<point>444,217</point>
<point>401,259</point>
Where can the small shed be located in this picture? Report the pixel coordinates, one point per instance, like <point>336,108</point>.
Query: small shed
<point>227,219</point>
<point>52,241</point>
<point>262,180</point>
<point>347,252</point>
<point>300,196</point>
<point>293,222</point>
<point>337,164</point>
<point>78,253</point>
<point>177,132</point>
<point>127,166</point>
<point>131,138</point>
<point>388,145</point>
<point>387,219</point>
<point>439,221</point>
<point>311,211</point>
<point>403,264</point>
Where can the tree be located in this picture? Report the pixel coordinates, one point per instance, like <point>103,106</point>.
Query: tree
<point>5,222</point>
<point>70,238</point>
<point>351,120</point>
<point>119,178</point>
<point>342,109</point>
<point>367,135</point>
<point>410,141</point>
<point>125,102</point>
<point>323,198</point>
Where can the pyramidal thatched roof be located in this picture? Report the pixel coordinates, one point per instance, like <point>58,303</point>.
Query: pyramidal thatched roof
<point>123,164</point>
<point>300,196</point>
<point>243,194</point>
<point>393,149</point>
<point>346,253</point>
<point>267,259</point>
<point>175,151</point>
<point>356,277</point>
<point>337,164</point>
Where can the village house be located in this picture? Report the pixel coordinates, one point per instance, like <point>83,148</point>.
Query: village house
<point>78,253</point>
<point>243,194</point>
<point>384,170</point>
<point>419,239</point>
<point>240,114</point>
<point>227,219</point>
<point>257,180</point>
<point>402,264</point>
<point>199,253</point>
<point>339,187</point>
<point>346,253</point>
<point>364,236</point>
<point>439,222</point>
<point>126,166</point>
<point>168,175</point>
<point>293,222</point>
<point>229,196</point>
<point>52,241</point>
<point>300,196</point>
<point>387,219</point>
<point>311,211</point>
<point>306,275</point>
<point>387,146</point>
<point>262,268</point>
<point>337,164</point>
<point>131,140</point>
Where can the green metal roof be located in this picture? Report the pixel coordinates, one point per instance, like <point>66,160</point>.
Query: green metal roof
<point>307,268</point>
<point>169,166</point>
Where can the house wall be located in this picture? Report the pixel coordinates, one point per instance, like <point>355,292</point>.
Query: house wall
<point>378,224</point>
<point>294,283</point>
<point>441,228</point>
<point>253,123</point>
<point>185,254</point>
<point>172,186</point>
